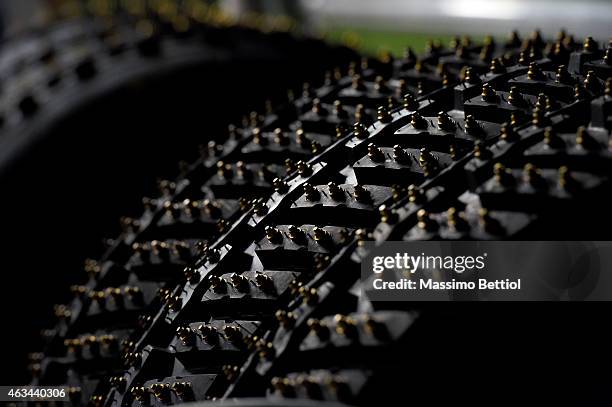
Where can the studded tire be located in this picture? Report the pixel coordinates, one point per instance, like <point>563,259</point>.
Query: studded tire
<point>240,282</point>
<point>92,109</point>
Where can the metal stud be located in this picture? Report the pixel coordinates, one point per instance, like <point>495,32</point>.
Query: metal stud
<point>280,138</point>
<point>534,72</point>
<point>240,283</point>
<point>260,207</point>
<point>591,83</point>
<point>562,75</point>
<point>209,333</point>
<point>583,138</point>
<point>74,393</point>
<point>311,385</point>
<point>217,284</point>
<point>182,390</point>
<point>383,115</point>
<point>360,113</point>
<point>362,235</point>
<point>264,282</point>
<point>607,59</point>
<point>410,103</point>
<point>296,234</point>
<point>317,107</point>
<point>175,303</point>
<point>361,194</point>
<point>502,176</point>
<point>309,296</point>
<point>191,274</point>
<point>310,192</point>
<point>426,159</point>
<point>375,328</point>
<point>415,194</point>
<point>265,350</point>
<point>357,83</point>
<point>307,91</point>
<point>360,131</point>
<point>400,155</point>
<point>375,154</point>
<point>321,236</point>
<point>524,58</point>
<point>551,139</point>
<point>301,139</point>
<point>186,335</point>
<point>304,168</point>
<point>318,328</point>
<point>472,127</point>
<point>335,192</point>
<point>538,118</point>
<point>470,77</point>
<point>514,40</point>
<point>418,122</point>
<point>78,290</point>
<point>488,94</point>
<point>488,223</point>
<point>161,391</point>
<point>118,381</point>
<point>230,371</point>
<point>445,122</point>
<point>98,297</point>
<point>590,45</point>
<point>259,138</point>
<point>409,55</point>
<point>233,334</point>
<point>138,392</point>
<point>420,67</point>
<point>380,85</point>
<point>515,98</point>
<point>579,92</point>
<point>286,319</point>
<point>387,215</point>
<point>497,66</point>
<point>541,102</point>
<point>455,220</point>
<point>280,186</point>
<point>400,91</point>
<point>273,235</point>
<point>398,192</point>
<point>424,221</point>
<point>421,88</point>
<point>339,110</point>
<point>531,175</point>
<point>507,133</point>
<point>284,386</point>
<point>486,52</point>
<point>345,326</point>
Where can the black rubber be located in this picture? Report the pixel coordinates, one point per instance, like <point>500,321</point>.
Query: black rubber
<point>241,279</point>
<point>110,108</point>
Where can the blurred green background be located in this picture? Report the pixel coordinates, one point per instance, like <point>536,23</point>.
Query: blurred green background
<point>376,25</point>
<point>376,41</point>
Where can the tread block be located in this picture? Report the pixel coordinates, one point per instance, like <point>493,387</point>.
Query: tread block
<point>398,166</point>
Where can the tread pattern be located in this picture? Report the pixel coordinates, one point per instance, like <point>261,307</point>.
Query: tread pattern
<point>81,72</point>
<point>245,272</point>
